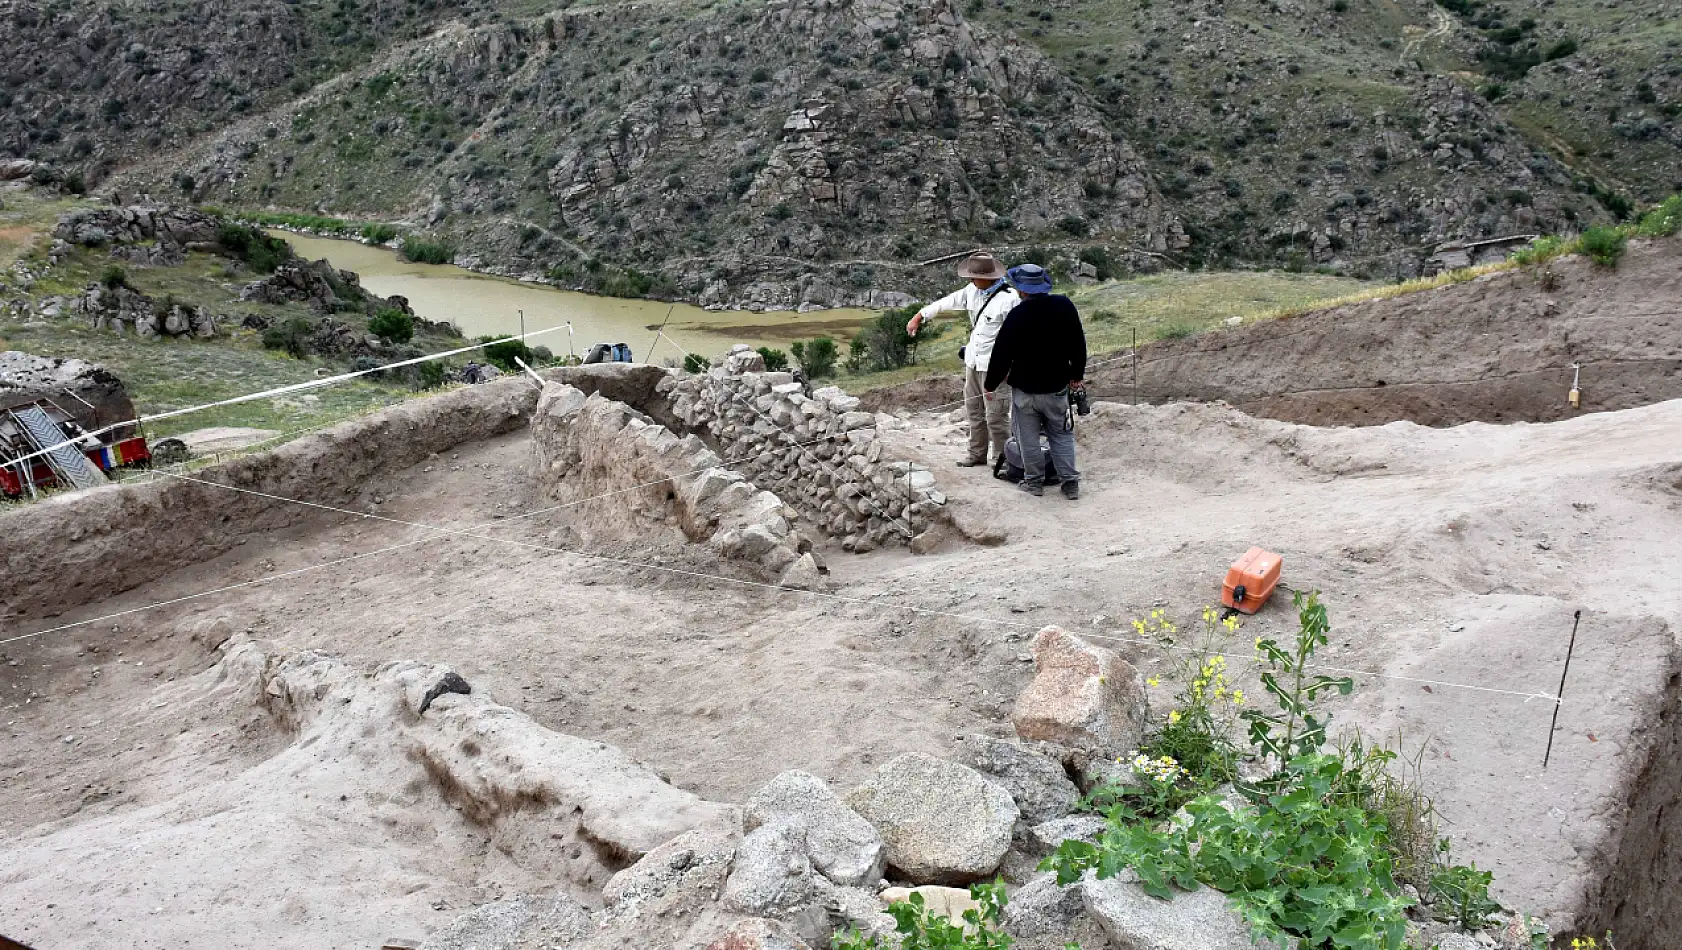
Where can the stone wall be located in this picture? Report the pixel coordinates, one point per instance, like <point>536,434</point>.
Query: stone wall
<point>819,453</point>
<point>590,445</point>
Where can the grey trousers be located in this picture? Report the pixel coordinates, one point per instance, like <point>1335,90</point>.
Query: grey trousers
<point>1034,413</point>
<point>989,419</point>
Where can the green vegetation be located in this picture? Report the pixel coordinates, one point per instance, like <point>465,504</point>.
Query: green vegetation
<point>696,363</point>
<point>1662,220</point>
<point>299,222</point>
<point>923,929</point>
<point>502,351</point>
<point>776,361</point>
<point>1604,246</point>
<point>114,276</point>
<point>291,335</point>
<point>1314,851</point>
<point>259,251</point>
<point>883,344</point>
<point>378,233</point>
<point>817,357</point>
<point>423,251</point>
<point>392,325</point>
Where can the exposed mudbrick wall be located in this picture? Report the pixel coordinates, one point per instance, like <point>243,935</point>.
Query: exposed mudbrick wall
<point>820,454</point>
<point>1495,349</point>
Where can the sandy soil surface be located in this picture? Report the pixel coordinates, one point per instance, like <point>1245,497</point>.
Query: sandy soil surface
<point>141,805</point>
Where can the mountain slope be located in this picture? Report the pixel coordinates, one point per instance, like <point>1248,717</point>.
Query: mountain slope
<point>791,152</point>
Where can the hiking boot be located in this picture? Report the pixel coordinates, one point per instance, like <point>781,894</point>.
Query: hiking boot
<point>1071,490</point>
<point>971,463</point>
<point>1034,488</point>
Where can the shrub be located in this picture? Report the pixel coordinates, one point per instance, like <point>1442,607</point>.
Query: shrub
<point>1540,251</point>
<point>1462,896</point>
<point>696,363</point>
<point>423,251</point>
<point>885,343</point>
<point>1176,331</point>
<point>501,351</point>
<point>259,251</point>
<point>1663,220</point>
<point>817,357</point>
<point>431,374</point>
<point>1561,49</point>
<point>392,325</point>
<point>1074,226</point>
<point>291,335</point>
<point>114,276</point>
<point>775,360</point>
<point>378,233</point>
<point>1604,246</point>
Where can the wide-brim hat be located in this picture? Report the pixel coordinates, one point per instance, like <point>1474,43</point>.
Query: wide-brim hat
<point>1029,279</point>
<point>981,266</point>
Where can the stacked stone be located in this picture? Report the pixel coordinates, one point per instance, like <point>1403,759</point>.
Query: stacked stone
<point>819,453</point>
<point>126,310</point>
<point>600,444</point>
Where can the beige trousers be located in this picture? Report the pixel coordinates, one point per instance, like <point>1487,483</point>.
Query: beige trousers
<point>989,419</point>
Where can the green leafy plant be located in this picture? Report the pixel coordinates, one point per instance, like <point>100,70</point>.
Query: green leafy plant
<point>114,276</point>
<point>695,363</point>
<point>1306,858</point>
<point>1462,896</point>
<point>502,351</point>
<point>1295,730</point>
<point>378,233</point>
<point>392,325</point>
<point>775,360</point>
<point>922,929</point>
<point>1176,331</point>
<point>1540,251</point>
<point>884,344</point>
<point>817,357</point>
<point>259,251</point>
<point>1663,220</point>
<point>431,374</point>
<point>423,251</point>
<point>291,335</point>
<point>1604,246</point>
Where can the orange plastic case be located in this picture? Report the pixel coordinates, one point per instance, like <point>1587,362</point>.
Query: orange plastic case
<point>1250,580</point>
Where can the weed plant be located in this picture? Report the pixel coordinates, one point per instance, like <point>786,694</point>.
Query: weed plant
<point>1604,246</point>
<point>422,251</point>
<point>922,929</point>
<point>392,325</point>
<point>776,361</point>
<point>817,357</point>
<point>1315,853</point>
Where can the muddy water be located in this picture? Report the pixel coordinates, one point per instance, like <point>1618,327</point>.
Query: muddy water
<point>480,304</point>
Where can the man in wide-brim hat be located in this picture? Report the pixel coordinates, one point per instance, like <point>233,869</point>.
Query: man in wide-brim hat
<point>986,299</point>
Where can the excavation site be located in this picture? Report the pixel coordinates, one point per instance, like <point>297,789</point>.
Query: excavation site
<point>717,658</point>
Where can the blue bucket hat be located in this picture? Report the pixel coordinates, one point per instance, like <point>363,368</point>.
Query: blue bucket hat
<point>1029,279</point>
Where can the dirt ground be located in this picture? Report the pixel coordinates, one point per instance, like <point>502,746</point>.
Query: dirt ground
<point>141,805</point>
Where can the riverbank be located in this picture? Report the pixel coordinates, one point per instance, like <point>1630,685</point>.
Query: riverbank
<point>482,303</point>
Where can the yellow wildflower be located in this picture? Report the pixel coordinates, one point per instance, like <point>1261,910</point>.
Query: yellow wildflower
<point>1174,716</point>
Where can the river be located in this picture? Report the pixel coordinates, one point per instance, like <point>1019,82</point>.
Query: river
<point>481,304</point>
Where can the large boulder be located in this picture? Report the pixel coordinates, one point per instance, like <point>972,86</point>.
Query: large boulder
<point>840,844</point>
<point>519,923</point>
<point>771,875</point>
<point>940,822</point>
<point>1134,920</point>
<point>1082,696</point>
<point>1041,788</point>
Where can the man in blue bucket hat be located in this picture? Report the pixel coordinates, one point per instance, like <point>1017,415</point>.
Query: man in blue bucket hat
<point>1041,352</point>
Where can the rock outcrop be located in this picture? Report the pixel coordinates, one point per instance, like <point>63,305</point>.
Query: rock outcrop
<point>121,309</point>
<point>1083,697</point>
<point>176,227</point>
<point>940,822</point>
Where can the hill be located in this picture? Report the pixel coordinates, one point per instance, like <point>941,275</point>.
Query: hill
<point>798,153</point>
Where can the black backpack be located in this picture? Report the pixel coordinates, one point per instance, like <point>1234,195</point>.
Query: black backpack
<point>1009,465</point>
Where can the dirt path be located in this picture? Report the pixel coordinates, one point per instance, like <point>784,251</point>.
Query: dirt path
<point>1448,555</point>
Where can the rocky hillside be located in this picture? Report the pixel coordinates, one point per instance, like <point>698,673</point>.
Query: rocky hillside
<point>790,153</point>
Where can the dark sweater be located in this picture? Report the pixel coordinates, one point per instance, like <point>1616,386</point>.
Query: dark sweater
<point>1041,347</point>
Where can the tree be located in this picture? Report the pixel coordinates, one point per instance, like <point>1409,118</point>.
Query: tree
<point>392,325</point>
<point>817,356</point>
<point>501,351</point>
<point>775,360</point>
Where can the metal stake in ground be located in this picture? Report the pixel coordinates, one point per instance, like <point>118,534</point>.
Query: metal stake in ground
<point>658,333</point>
<point>1576,619</point>
<point>1135,366</point>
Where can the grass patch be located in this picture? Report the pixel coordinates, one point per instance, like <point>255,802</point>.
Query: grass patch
<point>423,251</point>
